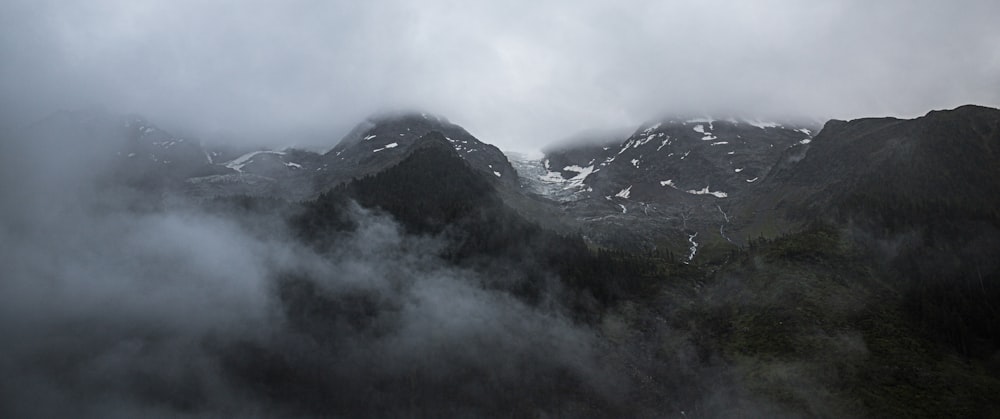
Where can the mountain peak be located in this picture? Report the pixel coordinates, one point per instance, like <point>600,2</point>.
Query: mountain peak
<point>395,126</point>
<point>965,110</point>
<point>384,138</point>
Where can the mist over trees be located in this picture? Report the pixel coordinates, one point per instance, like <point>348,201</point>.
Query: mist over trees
<point>511,209</point>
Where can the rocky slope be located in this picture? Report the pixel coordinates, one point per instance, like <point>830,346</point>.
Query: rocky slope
<point>671,183</point>
<point>943,159</point>
<point>378,143</point>
<point>381,141</point>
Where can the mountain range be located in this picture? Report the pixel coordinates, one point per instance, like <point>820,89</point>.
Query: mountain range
<point>840,269</point>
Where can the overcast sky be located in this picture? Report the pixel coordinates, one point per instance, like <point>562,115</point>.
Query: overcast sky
<point>517,74</point>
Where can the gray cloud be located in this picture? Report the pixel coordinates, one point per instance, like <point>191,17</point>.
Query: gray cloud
<point>517,74</point>
<point>122,303</point>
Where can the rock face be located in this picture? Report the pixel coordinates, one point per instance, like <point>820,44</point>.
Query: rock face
<point>372,146</point>
<point>669,180</point>
<point>718,158</point>
<point>290,173</point>
<point>382,141</point>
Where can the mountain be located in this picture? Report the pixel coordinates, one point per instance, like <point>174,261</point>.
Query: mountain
<point>436,190</point>
<point>697,156</point>
<point>374,145</point>
<point>875,167</point>
<point>382,140</point>
<point>378,143</point>
<point>672,183</point>
<point>289,173</point>
<point>702,183</point>
<point>709,268</point>
<point>818,321</point>
<point>127,148</point>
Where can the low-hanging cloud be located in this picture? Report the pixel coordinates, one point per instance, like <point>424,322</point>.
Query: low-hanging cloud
<point>111,307</point>
<point>516,74</point>
<point>125,301</point>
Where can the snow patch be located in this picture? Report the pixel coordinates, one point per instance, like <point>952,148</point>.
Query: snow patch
<point>369,137</point>
<point>665,143</point>
<point>707,134</point>
<point>635,162</point>
<point>738,170</point>
<point>705,191</point>
<point>752,180</point>
<point>644,141</point>
<point>496,173</point>
<point>805,141</point>
<point>387,146</point>
<point>238,163</point>
<point>573,182</point>
<point>624,193</point>
<point>668,182</point>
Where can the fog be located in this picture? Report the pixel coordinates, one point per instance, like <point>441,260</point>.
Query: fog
<point>516,74</point>
<point>118,302</point>
<point>123,301</point>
